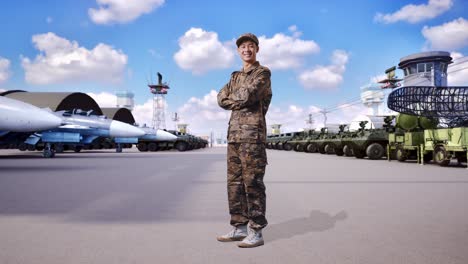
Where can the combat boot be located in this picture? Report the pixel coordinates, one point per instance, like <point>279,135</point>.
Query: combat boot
<point>237,234</point>
<point>253,239</point>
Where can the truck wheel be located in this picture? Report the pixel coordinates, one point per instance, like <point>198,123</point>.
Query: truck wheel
<point>329,149</point>
<point>359,154</point>
<point>142,147</point>
<point>152,147</point>
<point>339,152</point>
<point>440,156</point>
<point>375,151</point>
<point>348,151</point>
<point>287,146</point>
<point>401,154</point>
<point>321,150</point>
<point>311,148</point>
<point>181,146</point>
<point>299,148</point>
<point>23,147</point>
<point>48,153</point>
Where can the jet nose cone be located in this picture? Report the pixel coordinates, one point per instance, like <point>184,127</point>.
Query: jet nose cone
<point>120,129</point>
<point>165,136</point>
<point>47,120</point>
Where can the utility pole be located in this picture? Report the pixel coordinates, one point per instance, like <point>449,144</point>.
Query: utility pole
<point>324,112</point>
<point>310,121</point>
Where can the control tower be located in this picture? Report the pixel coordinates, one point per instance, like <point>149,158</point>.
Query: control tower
<point>159,92</point>
<point>426,68</point>
<point>372,96</point>
<point>125,99</point>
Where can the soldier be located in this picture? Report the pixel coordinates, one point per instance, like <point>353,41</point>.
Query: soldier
<point>247,95</point>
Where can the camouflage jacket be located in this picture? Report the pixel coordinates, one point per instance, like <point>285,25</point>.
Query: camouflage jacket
<point>248,95</point>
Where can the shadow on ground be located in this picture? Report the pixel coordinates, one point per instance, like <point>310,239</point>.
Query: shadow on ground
<point>316,222</point>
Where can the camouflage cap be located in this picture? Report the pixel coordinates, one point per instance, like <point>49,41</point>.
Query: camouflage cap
<point>246,36</point>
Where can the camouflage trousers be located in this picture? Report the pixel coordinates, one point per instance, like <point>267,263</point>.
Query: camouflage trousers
<point>246,164</point>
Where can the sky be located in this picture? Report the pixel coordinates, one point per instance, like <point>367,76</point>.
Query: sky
<point>320,52</point>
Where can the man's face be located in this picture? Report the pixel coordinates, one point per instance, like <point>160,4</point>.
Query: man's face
<point>248,51</point>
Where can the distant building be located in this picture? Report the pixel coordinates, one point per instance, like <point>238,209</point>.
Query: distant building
<point>125,99</point>
<point>372,96</point>
<point>425,68</point>
<point>276,129</point>
<point>182,128</point>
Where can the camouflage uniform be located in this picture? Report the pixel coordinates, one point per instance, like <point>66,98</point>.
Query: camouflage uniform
<point>248,95</point>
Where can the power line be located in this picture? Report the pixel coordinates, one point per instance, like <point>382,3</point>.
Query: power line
<point>357,100</point>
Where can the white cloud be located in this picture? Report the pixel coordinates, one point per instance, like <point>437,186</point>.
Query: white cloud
<point>285,52</point>
<point>61,60</point>
<point>104,99</point>
<point>416,13</point>
<point>201,51</point>
<point>295,31</point>
<point>4,69</point>
<point>458,70</point>
<point>326,77</point>
<point>143,113</point>
<point>378,78</point>
<point>204,114</point>
<point>121,11</point>
<point>449,36</point>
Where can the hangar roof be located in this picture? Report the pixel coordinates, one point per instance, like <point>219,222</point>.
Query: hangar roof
<point>119,114</point>
<point>56,101</point>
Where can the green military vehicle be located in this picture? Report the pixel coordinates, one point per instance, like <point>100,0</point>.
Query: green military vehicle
<point>418,137</point>
<point>271,141</point>
<point>334,144</point>
<point>284,141</point>
<point>443,144</point>
<point>407,139</point>
<point>367,142</point>
<point>323,142</point>
<point>298,143</point>
<point>314,141</point>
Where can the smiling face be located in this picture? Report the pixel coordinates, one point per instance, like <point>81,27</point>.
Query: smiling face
<point>248,51</point>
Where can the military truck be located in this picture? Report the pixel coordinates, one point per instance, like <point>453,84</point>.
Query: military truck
<point>322,143</point>
<point>417,137</point>
<point>407,139</point>
<point>444,144</point>
<point>334,144</point>
<point>367,142</point>
<point>284,141</point>
<point>313,142</point>
<point>299,141</point>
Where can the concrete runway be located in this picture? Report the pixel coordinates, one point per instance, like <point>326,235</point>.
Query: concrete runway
<point>168,207</point>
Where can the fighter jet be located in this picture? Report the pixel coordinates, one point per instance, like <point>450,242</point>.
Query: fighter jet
<point>81,128</point>
<point>18,116</point>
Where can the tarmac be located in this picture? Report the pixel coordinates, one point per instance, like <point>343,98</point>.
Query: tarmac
<point>168,207</point>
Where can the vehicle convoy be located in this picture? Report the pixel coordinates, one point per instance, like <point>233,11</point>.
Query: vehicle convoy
<point>296,142</point>
<point>171,139</point>
<point>284,141</point>
<point>334,144</point>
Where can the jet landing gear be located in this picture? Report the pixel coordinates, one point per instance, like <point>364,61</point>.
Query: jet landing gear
<point>118,148</point>
<point>48,152</point>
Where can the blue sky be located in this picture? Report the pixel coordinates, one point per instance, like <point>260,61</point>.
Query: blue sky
<point>320,52</point>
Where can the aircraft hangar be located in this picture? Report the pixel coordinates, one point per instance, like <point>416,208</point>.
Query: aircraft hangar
<point>56,101</point>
